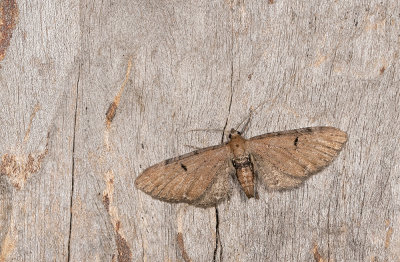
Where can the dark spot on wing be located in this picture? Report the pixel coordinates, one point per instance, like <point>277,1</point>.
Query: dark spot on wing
<point>237,145</point>
<point>296,141</point>
<point>181,246</point>
<point>382,70</point>
<point>166,162</point>
<point>183,167</point>
<point>142,146</point>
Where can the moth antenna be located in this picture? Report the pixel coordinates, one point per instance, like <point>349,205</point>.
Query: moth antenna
<point>205,130</point>
<point>246,125</point>
<point>271,102</point>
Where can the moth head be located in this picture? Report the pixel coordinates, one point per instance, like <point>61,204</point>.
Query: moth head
<point>234,133</point>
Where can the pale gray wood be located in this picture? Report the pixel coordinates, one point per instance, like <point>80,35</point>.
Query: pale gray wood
<point>38,79</point>
<point>326,63</point>
<point>177,66</point>
<point>179,80</point>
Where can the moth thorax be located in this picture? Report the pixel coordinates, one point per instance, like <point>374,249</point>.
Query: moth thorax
<point>237,145</point>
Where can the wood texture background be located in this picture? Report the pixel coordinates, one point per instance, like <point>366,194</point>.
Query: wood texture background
<point>169,68</point>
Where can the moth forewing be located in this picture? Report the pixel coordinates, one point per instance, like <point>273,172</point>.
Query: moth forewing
<point>219,189</point>
<point>281,160</point>
<point>185,178</point>
<point>284,159</point>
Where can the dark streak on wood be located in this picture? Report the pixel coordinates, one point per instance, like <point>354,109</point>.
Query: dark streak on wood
<point>317,255</point>
<point>181,245</point>
<point>389,233</point>
<point>106,202</point>
<point>124,252</point>
<point>111,111</point>
<point>8,20</point>
<point>6,203</point>
<point>382,70</point>
<point>117,226</point>
<point>19,171</point>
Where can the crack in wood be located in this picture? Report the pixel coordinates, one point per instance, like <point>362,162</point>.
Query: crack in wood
<point>73,166</point>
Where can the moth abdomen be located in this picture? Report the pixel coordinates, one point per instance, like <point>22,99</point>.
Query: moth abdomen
<point>241,162</point>
<point>245,174</point>
<point>246,180</point>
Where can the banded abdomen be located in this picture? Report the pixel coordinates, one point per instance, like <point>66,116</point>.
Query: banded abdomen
<point>245,174</point>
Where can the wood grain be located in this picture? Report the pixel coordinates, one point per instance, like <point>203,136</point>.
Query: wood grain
<point>166,68</point>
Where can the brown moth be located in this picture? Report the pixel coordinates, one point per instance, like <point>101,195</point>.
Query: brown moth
<point>280,160</point>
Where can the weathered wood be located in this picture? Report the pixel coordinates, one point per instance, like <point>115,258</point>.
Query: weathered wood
<point>142,89</point>
<point>93,94</point>
<point>38,95</point>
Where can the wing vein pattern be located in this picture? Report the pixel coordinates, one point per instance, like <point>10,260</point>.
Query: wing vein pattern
<point>282,160</point>
<point>199,178</point>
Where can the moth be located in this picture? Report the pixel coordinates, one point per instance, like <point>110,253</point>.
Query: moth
<point>280,160</point>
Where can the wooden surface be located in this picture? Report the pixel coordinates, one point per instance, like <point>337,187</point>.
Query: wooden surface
<point>94,92</point>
